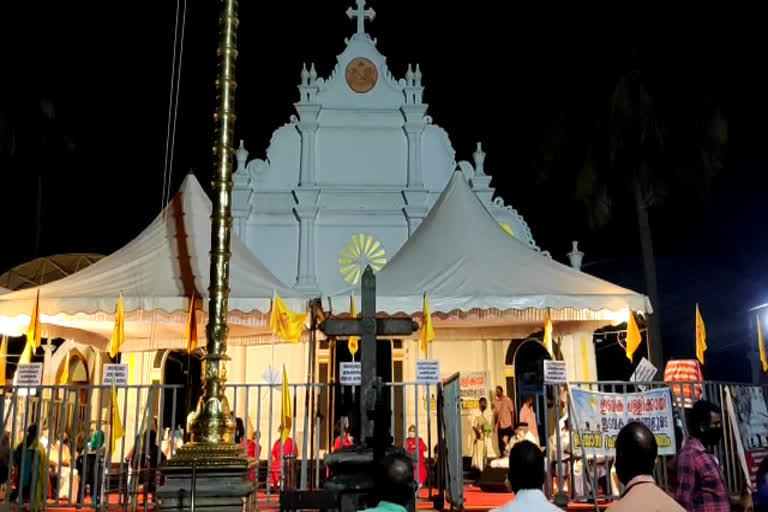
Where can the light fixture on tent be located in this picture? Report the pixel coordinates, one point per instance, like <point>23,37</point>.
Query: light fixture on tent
<point>361,251</point>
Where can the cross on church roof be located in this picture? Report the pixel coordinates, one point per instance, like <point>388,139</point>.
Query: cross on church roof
<point>361,13</point>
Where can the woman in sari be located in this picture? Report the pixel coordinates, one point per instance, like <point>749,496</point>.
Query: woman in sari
<point>29,458</point>
<point>61,462</point>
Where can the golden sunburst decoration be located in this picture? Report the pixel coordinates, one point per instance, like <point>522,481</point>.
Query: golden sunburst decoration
<point>360,251</point>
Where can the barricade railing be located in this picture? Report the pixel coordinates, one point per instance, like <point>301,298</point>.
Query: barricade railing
<point>567,470</point>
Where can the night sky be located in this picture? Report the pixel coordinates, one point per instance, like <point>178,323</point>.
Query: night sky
<point>509,77</point>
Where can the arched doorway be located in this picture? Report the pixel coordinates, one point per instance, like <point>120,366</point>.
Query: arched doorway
<point>525,360</point>
<point>185,370</point>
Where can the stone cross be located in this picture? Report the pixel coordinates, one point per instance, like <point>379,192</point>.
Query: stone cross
<point>361,13</point>
<point>368,327</point>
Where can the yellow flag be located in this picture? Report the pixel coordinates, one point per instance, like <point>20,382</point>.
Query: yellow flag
<point>3,359</point>
<point>284,323</point>
<point>118,333</point>
<point>33,331</point>
<point>285,413</point>
<point>634,339</point>
<point>761,346</point>
<point>548,332</point>
<point>701,336</point>
<point>427,331</point>
<point>353,342</point>
<point>26,355</point>
<point>191,331</point>
<point>117,423</point>
<point>64,379</point>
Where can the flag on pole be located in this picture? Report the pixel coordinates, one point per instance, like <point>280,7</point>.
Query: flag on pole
<point>285,413</point>
<point>548,332</point>
<point>118,333</point>
<point>701,336</point>
<point>33,331</point>
<point>117,422</point>
<point>191,331</point>
<point>64,379</point>
<point>353,342</point>
<point>284,323</point>
<point>3,359</point>
<point>634,339</point>
<point>761,346</point>
<point>427,331</point>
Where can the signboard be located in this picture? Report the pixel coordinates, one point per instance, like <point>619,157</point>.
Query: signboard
<point>644,372</point>
<point>116,374</point>
<point>427,371</point>
<point>555,372</point>
<point>474,386</point>
<point>600,417</point>
<point>28,376</point>
<point>350,374</point>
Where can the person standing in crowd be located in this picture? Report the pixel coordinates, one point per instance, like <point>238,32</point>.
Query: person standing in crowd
<point>526,477</point>
<point>504,418</point>
<point>276,462</point>
<point>636,452</point>
<point>528,416</point>
<point>482,429</point>
<point>394,484</point>
<point>344,439</point>
<point>700,486</point>
<point>761,479</point>
<point>29,460</point>
<point>411,445</point>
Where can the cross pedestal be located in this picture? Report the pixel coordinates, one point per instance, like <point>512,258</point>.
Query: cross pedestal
<point>352,480</point>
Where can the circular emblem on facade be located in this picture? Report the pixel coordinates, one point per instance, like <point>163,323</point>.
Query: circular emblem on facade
<point>361,251</point>
<point>361,75</point>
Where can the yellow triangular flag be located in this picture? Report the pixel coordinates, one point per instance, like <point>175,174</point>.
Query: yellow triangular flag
<point>284,323</point>
<point>548,332</point>
<point>427,331</point>
<point>354,342</point>
<point>761,346</point>
<point>3,359</point>
<point>118,332</point>
<point>26,355</point>
<point>33,331</point>
<point>634,339</point>
<point>117,423</point>
<point>701,336</point>
<point>285,412</point>
<point>191,331</point>
<point>64,379</point>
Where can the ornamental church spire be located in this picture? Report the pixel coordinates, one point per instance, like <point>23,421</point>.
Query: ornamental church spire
<point>361,13</point>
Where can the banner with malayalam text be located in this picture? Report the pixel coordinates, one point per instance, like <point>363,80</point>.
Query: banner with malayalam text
<point>600,417</point>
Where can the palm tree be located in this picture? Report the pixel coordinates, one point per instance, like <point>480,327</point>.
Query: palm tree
<point>647,147</point>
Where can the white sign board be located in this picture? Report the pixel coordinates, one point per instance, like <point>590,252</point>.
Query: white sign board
<point>351,373</point>
<point>116,374</point>
<point>644,372</point>
<point>555,372</point>
<point>427,371</point>
<point>28,376</point>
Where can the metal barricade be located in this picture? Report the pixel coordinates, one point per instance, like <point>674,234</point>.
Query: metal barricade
<point>594,478</point>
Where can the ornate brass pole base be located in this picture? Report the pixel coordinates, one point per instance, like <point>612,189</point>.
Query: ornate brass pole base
<point>211,472</point>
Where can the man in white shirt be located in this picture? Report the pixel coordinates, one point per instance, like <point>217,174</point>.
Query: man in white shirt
<point>526,478</point>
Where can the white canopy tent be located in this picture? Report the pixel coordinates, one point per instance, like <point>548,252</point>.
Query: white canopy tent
<point>156,273</point>
<point>465,261</point>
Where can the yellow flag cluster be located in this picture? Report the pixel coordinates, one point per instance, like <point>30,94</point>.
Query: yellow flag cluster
<point>190,333</point>
<point>701,336</point>
<point>548,332</point>
<point>64,379</point>
<point>118,332</point>
<point>286,417</point>
<point>634,339</point>
<point>427,331</point>
<point>117,423</point>
<point>761,346</point>
<point>354,342</point>
<point>284,323</point>
<point>33,333</point>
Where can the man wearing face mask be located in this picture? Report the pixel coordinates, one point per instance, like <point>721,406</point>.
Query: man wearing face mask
<point>700,486</point>
<point>636,451</point>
